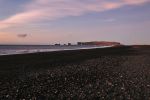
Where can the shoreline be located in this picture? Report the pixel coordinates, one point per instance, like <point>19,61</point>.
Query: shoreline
<point>31,51</point>
<point>35,61</point>
<point>75,49</point>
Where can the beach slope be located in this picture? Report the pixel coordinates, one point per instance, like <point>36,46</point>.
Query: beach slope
<point>121,72</point>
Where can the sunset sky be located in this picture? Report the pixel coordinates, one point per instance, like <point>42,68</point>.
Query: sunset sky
<point>62,21</point>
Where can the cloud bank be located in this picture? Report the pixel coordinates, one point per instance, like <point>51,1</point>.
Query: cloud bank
<point>22,35</point>
<point>41,10</point>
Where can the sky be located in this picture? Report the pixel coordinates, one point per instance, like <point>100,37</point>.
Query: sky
<point>63,21</point>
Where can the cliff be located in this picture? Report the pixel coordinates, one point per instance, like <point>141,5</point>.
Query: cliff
<point>100,43</point>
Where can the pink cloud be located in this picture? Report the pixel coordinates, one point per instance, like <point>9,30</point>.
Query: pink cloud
<point>135,2</point>
<point>39,10</point>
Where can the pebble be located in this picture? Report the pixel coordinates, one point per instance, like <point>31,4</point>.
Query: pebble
<point>89,79</point>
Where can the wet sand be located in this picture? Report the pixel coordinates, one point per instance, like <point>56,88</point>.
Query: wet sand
<point>121,73</point>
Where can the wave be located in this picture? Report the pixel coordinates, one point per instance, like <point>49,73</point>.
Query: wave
<point>26,49</point>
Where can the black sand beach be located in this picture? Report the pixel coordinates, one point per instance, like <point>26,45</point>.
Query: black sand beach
<point>115,73</point>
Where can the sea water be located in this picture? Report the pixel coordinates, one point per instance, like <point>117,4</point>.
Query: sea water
<point>23,49</point>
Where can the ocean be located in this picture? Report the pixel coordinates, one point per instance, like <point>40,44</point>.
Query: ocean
<point>24,49</point>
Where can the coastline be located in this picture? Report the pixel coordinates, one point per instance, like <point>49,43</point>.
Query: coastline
<point>104,73</point>
<point>27,49</point>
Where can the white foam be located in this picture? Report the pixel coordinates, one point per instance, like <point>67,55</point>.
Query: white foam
<point>61,48</point>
